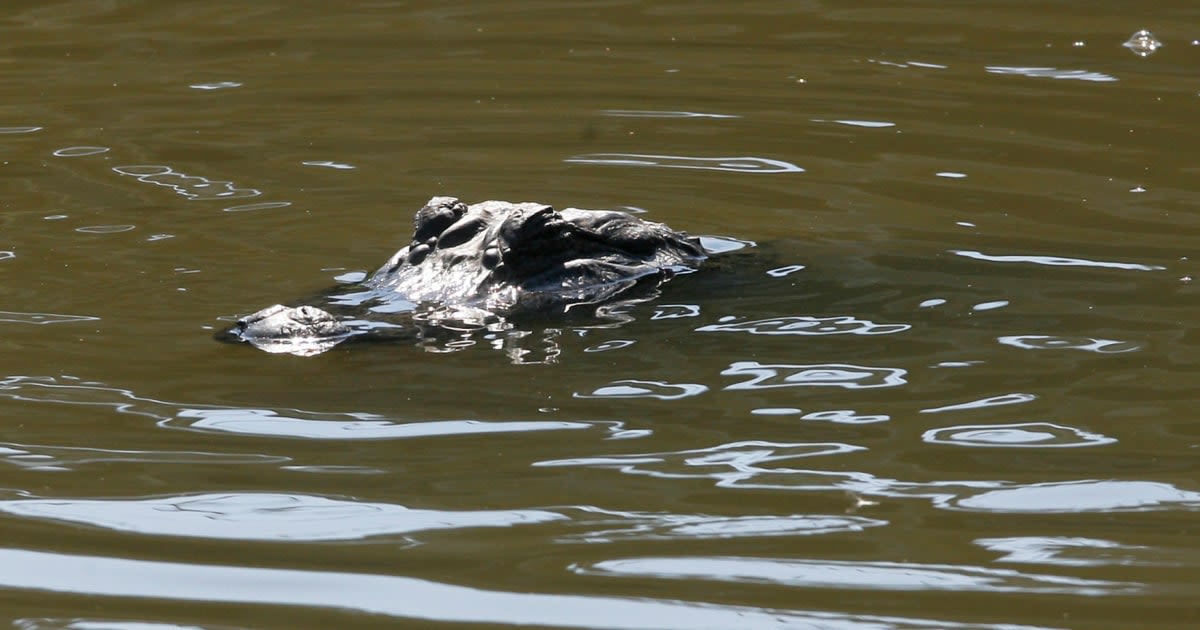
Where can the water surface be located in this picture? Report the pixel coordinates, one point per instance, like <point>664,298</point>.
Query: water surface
<point>951,385</point>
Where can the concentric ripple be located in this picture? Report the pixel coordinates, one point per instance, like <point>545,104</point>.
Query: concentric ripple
<point>1024,435</point>
<point>766,376</point>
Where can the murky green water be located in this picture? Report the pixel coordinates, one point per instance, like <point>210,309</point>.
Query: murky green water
<point>953,386</point>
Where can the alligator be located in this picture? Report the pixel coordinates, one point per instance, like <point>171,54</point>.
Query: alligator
<point>481,263</point>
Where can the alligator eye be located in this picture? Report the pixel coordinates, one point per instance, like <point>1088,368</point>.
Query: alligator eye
<point>460,233</point>
<point>418,253</point>
<point>491,258</point>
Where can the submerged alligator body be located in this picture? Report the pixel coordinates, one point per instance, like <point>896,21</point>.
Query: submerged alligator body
<point>485,261</point>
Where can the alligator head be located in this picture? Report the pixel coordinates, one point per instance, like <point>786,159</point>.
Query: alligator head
<point>498,257</point>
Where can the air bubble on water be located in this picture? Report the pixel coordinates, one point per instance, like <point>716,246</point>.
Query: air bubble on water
<point>1143,43</point>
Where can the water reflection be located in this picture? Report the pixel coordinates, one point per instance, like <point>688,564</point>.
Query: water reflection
<point>632,388</point>
<point>845,416</point>
<point>1080,496</point>
<point>219,85</point>
<point>405,597</point>
<point>1055,261</point>
<point>1015,398</point>
<point>755,465</point>
<point>893,576</point>
<point>1023,435</point>
<point>675,311</point>
<point>726,463</point>
<point>766,376</point>
<point>1052,73</point>
<point>293,423</point>
<point>105,229</point>
<point>743,164</point>
<point>1054,342</point>
<point>626,526</point>
<point>263,516</point>
<point>805,325</point>
<point>1074,551</point>
<point>59,458</point>
<point>650,113</point>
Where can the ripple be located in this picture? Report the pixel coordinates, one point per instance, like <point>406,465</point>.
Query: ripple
<point>650,113</point>
<point>675,311</point>
<point>786,270</point>
<point>667,526</point>
<point>190,186</point>
<point>834,574</point>
<point>1015,398</point>
<point>990,306</point>
<point>724,244</point>
<point>1052,342</point>
<point>614,344</point>
<point>631,388</point>
<point>805,325</point>
<point>845,416</point>
<point>20,129</point>
<point>1045,72</point>
<point>1080,496</point>
<point>869,124</point>
<point>270,422</point>
<point>42,319</point>
<point>219,85</point>
<point>776,411</point>
<point>744,164</point>
<point>1055,261</point>
<point>328,164</point>
<point>932,302</point>
<point>1070,551</point>
<point>1024,435</point>
<point>293,423</point>
<point>423,600</point>
<point>266,205</point>
<point>80,151</point>
<point>827,375</point>
<point>262,516</point>
<point>731,464</point>
<point>39,457</point>
<point>105,229</point>
<point>5,255</point>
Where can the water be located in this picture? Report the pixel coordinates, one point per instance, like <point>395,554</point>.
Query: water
<point>952,385</point>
